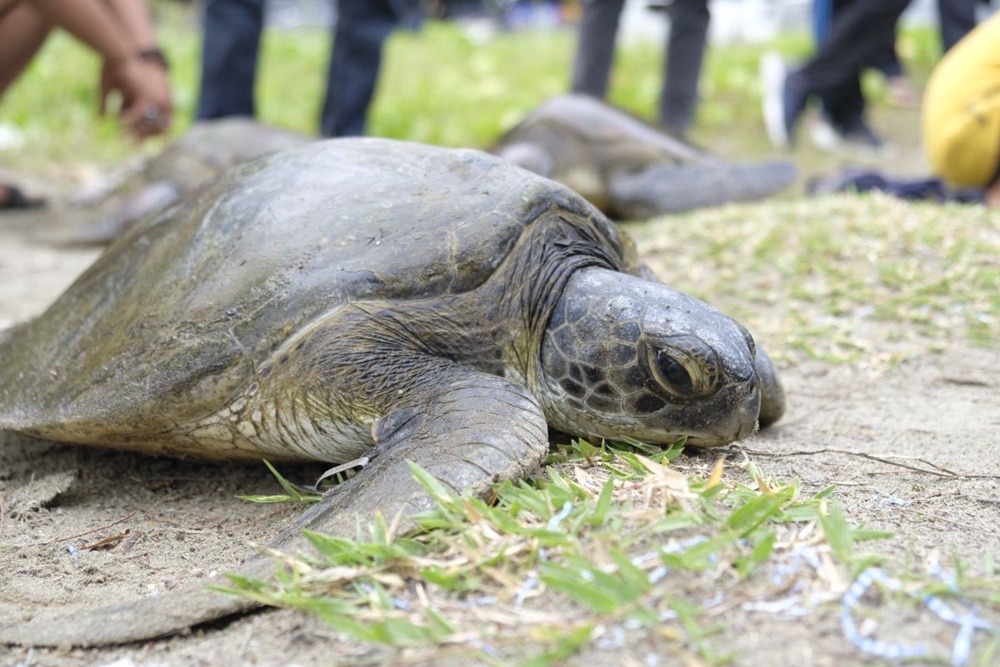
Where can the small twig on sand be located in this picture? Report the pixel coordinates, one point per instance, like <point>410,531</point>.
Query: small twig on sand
<point>106,542</point>
<point>73,537</point>
<point>3,515</point>
<point>932,468</point>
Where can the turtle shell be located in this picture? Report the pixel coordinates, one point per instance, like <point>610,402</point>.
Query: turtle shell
<point>173,318</point>
<point>585,139</point>
<point>211,147</point>
<point>207,150</point>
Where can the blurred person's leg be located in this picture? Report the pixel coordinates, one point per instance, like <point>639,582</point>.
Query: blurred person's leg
<point>685,52</point>
<point>362,28</point>
<point>22,33</point>
<point>859,29</point>
<point>595,46</point>
<point>844,104</point>
<point>885,59</point>
<point>230,47</point>
<point>957,18</point>
<point>844,107</point>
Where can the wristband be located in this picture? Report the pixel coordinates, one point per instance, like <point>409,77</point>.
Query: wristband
<point>154,55</point>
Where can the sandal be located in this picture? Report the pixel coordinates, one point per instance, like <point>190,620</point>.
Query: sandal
<point>12,198</point>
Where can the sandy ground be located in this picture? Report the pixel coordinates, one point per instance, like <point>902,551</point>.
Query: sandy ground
<point>176,521</point>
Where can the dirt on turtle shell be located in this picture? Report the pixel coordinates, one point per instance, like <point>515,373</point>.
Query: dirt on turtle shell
<point>82,527</point>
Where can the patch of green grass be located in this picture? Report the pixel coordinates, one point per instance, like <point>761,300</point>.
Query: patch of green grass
<point>292,494</point>
<point>839,278</point>
<point>608,540</point>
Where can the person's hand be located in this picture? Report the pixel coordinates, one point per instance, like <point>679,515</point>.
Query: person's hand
<point>146,106</point>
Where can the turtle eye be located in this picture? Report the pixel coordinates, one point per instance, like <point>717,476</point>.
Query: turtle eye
<point>676,376</point>
<point>679,373</point>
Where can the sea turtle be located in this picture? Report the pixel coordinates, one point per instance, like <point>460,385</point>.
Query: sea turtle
<point>203,153</point>
<point>365,297</point>
<point>627,167</point>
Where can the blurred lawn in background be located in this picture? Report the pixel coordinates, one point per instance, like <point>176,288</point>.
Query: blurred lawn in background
<point>437,86</point>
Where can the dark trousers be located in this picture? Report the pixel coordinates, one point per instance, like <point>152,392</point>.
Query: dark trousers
<point>355,59</point>
<point>858,31</point>
<point>230,48</point>
<point>684,54</point>
<point>884,59</point>
<point>232,31</point>
<point>957,18</point>
<point>689,21</point>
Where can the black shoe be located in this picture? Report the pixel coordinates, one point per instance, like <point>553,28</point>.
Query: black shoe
<point>858,133</point>
<point>851,179</point>
<point>783,105</point>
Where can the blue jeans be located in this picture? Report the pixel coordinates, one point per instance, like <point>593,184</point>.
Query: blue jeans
<point>231,44</point>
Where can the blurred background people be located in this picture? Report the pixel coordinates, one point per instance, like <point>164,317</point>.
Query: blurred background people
<point>961,129</point>
<point>684,53</point>
<point>232,33</point>
<point>845,122</point>
<point>858,32</point>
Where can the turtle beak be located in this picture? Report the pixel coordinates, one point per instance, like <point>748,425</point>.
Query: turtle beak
<point>741,421</point>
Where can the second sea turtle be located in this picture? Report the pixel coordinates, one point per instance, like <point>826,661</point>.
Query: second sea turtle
<point>628,168</point>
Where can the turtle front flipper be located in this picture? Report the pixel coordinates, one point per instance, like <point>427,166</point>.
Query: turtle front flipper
<point>670,188</point>
<point>470,431</point>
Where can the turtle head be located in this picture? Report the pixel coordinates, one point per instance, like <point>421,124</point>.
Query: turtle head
<point>623,356</point>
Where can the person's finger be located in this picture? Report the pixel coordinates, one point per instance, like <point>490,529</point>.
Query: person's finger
<point>131,118</point>
<point>147,120</point>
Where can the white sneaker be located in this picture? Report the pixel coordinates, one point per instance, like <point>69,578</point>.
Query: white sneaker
<point>773,73</point>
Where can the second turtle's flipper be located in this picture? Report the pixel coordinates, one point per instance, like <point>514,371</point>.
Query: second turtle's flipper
<point>668,188</point>
<point>475,430</point>
<point>151,199</point>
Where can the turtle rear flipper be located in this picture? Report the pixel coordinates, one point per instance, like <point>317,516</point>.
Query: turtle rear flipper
<point>669,188</point>
<point>476,430</point>
<point>150,199</point>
